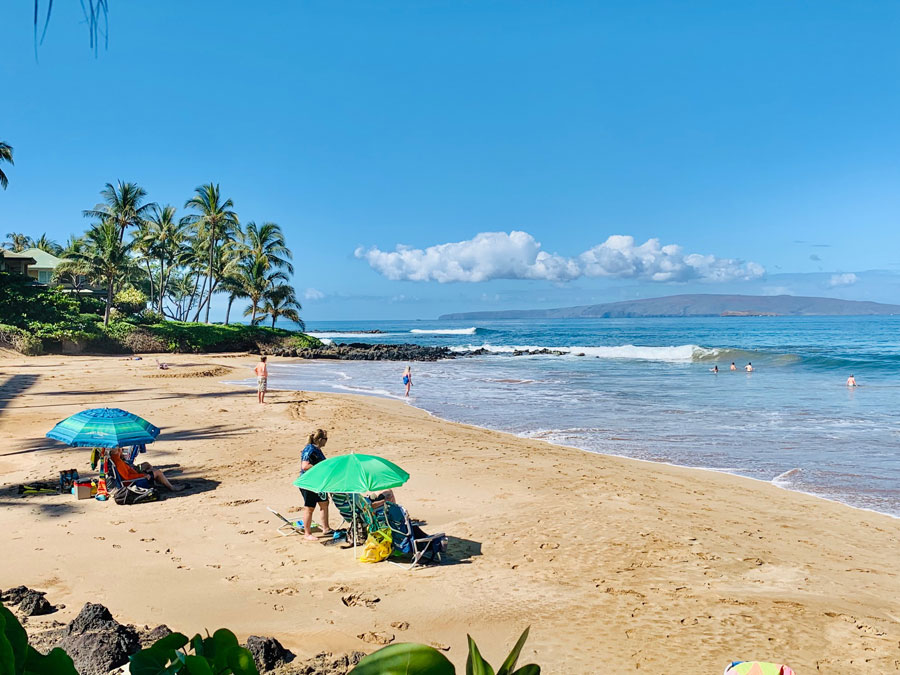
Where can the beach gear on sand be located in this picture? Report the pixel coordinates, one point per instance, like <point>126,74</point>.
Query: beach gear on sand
<point>104,428</point>
<point>377,546</point>
<point>757,668</point>
<point>126,492</point>
<point>410,540</point>
<point>353,473</point>
<point>295,526</point>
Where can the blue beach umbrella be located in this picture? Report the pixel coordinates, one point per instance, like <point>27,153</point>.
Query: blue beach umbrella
<point>104,428</point>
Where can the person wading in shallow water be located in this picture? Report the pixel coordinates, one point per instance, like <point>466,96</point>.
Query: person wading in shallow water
<point>407,379</point>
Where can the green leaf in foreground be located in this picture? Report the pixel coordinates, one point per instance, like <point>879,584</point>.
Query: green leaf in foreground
<point>57,662</point>
<point>241,662</point>
<point>405,658</point>
<point>13,644</point>
<point>510,662</point>
<point>475,663</point>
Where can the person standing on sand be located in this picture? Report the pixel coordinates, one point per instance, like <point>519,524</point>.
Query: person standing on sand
<point>312,455</point>
<point>407,379</point>
<point>749,367</point>
<point>851,381</point>
<point>262,379</point>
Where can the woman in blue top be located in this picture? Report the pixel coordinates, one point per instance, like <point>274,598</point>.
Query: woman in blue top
<point>312,455</point>
<point>407,379</point>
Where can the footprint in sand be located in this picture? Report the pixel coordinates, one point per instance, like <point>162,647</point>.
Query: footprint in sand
<point>357,599</point>
<point>376,638</point>
<point>400,625</point>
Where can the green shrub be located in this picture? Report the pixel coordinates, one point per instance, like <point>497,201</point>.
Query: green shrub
<point>20,340</point>
<point>130,301</point>
<point>22,302</point>
<point>218,654</point>
<point>90,318</point>
<point>20,658</point>
<point>150,316</point>
<point>304,341</point>
<point>414,659</point>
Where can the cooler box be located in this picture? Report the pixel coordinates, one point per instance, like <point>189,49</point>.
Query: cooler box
<point>82,490</point>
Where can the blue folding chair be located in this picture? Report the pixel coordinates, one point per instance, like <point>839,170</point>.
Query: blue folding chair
<point>409,540</point>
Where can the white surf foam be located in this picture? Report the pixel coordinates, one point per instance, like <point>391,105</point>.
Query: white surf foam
<point>445,331</point>
<point>634,352</point>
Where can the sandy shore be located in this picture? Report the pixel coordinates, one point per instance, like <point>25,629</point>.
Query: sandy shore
<point>617,565</point>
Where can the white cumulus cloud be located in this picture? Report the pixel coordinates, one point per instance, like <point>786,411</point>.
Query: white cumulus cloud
<point>517,255</point>
<point>838,280</point>
<point>313,294</point>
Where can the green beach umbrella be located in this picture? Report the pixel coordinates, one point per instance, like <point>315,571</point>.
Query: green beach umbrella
<point>104,428</point>
<point>352,473</point>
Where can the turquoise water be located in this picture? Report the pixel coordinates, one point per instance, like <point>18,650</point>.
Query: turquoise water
<point>643,388</point>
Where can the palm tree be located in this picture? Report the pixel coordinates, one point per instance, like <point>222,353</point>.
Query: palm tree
<point>257,279</point>
<point>18,242</point>
<point>215,221</point>
<point>267,241</point>
<point>162,240</point>
<point>71,271</point>
<point>6,155</point>
<point>233,285</point>
<point>123,204</point>
<point>104,259</point>
<point>44,243</point>
<point>281,302</point>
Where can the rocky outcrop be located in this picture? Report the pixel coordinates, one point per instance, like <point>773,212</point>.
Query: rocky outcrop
<point>362,351</point>
<point>323,664</point>
<point>30,601</point>
<point>98,643</point>
<point>268,653</point>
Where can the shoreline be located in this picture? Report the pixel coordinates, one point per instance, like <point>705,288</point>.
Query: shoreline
<point>617,566</point>
<point>409,402</point>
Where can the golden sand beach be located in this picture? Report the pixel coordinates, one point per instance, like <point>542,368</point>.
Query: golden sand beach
<point>617,565</point>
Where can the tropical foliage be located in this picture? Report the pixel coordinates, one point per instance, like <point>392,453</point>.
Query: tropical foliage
<point>20,658</point>
<point>6,155</point>
<point>177,264</point>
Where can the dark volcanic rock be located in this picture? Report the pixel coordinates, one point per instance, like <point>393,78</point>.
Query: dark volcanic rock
<point>30,601</point>
<point>98,643</point>
<point>149,636</point>
<point>363,351</point>
<point>14,596</point>
<point>35,604</point>
<point>323,664</point>
<point>268,652</point>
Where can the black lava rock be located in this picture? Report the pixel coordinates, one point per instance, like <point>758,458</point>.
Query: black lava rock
<point>268,652</point>
<point>35,604</point>
<point>98,643</point>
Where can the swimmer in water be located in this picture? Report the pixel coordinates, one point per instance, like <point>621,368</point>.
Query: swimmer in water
<point>851,381</point>
<point>733,367</point>
<point>714,369</point>
<point>749,367</point>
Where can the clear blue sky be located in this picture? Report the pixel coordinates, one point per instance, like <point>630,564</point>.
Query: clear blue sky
<point>762,132</point>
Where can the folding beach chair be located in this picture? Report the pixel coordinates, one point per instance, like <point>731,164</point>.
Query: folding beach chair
<point>361,517</point>
<point>294,526</point>
<point>410,540</point>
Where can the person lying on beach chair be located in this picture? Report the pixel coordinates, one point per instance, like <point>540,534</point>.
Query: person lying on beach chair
<point>410,540</point>
<point>128,473</point>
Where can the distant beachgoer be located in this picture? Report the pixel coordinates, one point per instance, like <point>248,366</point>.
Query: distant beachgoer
<point>407,379</point>
<point>161,365</point>
<point>715,369</point>
<point>851,381</point>
<point>130,472</point>
<point>733,367</point>
<point>749,367</point>
<point>262,379</point>
<point>312,455</point>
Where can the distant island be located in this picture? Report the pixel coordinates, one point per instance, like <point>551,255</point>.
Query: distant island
<point>700,304</point>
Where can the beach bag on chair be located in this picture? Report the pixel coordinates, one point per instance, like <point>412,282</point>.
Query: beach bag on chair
<point>377,546</point>
<point>135,494</point>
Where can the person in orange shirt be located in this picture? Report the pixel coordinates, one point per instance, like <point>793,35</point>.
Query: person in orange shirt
<point>129,472</point>
<point>262,379</point>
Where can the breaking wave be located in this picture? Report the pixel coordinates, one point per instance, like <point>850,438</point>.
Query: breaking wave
<point>449,331</point>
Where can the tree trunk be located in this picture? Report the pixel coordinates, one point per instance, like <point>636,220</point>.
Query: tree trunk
<point>163,282</point>
<point>273,320</point>
<point>150,279</point>
<point>109,295</point>
<point>228,311</point>
<point>212,251</point>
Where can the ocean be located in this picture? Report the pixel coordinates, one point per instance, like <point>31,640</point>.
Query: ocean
<point>643,388</point>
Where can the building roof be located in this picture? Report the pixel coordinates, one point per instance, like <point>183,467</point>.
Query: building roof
<point>24,255</point>
<point>42,259</point>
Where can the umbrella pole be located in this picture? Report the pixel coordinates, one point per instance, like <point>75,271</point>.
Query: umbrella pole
<point>353,524</point>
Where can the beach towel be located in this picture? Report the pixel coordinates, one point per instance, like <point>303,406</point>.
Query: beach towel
<point>757,668</point>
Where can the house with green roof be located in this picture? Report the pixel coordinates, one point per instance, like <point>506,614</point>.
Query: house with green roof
<point>41,270</point>
<point>40,266</point>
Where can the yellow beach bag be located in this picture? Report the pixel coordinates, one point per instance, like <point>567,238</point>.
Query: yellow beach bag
<point>377,546</point>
